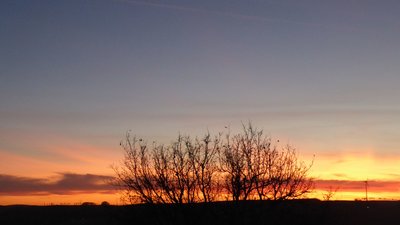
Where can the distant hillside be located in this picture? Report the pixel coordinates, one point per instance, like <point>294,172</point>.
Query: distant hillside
<point>247,212</point>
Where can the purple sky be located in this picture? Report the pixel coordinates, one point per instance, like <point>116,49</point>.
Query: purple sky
<point>321,75</point>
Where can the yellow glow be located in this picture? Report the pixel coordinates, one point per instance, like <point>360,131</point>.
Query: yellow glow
<point>360,195</point>
<point>359,165</point>
<point>347,165</point>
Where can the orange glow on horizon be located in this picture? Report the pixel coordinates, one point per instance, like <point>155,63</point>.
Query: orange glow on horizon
<point>75,199</point>
<point>115,199</point>
<point>332,168</point>
<point>360,165</point>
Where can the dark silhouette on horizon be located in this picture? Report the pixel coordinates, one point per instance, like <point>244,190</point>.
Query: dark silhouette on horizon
<point>300,212</point>
<point>243,166</point>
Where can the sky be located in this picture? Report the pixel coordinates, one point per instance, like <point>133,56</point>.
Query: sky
<point>76,75</point>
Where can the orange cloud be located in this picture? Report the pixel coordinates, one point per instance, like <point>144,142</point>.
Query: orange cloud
<point>358,186</point>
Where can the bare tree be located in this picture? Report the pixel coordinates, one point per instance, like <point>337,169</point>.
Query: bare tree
<point>264,161</point>
<point>232,167</point>
<point>253,168</point>
<point>243,161</point>
<point>203,158</point>
<point>183,172</point>
<point>135,175</point>
<point>330,193</point>
<point>245,165</point>
<point>288,177</point>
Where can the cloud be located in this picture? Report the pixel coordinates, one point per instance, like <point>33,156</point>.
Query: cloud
<point>357,186</point>
<point>65,184</point>
<point>71,183</point>
<point>341,175</point>
<point>217,12</point>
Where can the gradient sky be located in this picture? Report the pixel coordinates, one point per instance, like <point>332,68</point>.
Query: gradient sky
<point>75,75</point>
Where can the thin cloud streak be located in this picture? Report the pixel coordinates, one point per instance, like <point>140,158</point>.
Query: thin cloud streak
<point>222,13</point>
<point>359,186</point>
<point>65,184</point>
<point>71,183</point>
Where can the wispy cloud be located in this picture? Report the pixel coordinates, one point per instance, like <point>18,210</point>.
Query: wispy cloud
<point>64,184</point>
<point>359,185</point>
<point>216,12</point>
<point>71,183</point>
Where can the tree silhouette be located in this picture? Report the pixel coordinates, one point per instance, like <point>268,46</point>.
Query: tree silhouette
<point>288,178</point>
<point>253,168</point>
<point>183,172</point>
<point>240,162</point>
<point>241,167</point>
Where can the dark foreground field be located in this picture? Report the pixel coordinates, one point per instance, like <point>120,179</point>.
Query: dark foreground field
<point>250,212</point>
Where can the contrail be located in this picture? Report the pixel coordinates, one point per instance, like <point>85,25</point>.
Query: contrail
<point>230,14</point>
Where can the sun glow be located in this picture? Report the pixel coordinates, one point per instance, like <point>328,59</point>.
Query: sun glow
<point>343,173</point>
<point>346,173</point>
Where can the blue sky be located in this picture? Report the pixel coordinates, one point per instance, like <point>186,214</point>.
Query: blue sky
<point>321,75</point>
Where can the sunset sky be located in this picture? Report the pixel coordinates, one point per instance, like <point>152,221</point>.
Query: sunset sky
<point>75,75</point>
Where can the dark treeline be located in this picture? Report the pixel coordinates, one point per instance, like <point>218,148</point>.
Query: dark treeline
<point>244,166</point>
<point>299,212</point>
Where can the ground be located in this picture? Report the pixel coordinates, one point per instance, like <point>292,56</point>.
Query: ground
<point>250,212</point>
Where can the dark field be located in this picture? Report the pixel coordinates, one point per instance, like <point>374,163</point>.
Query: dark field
<point>249,212</point>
